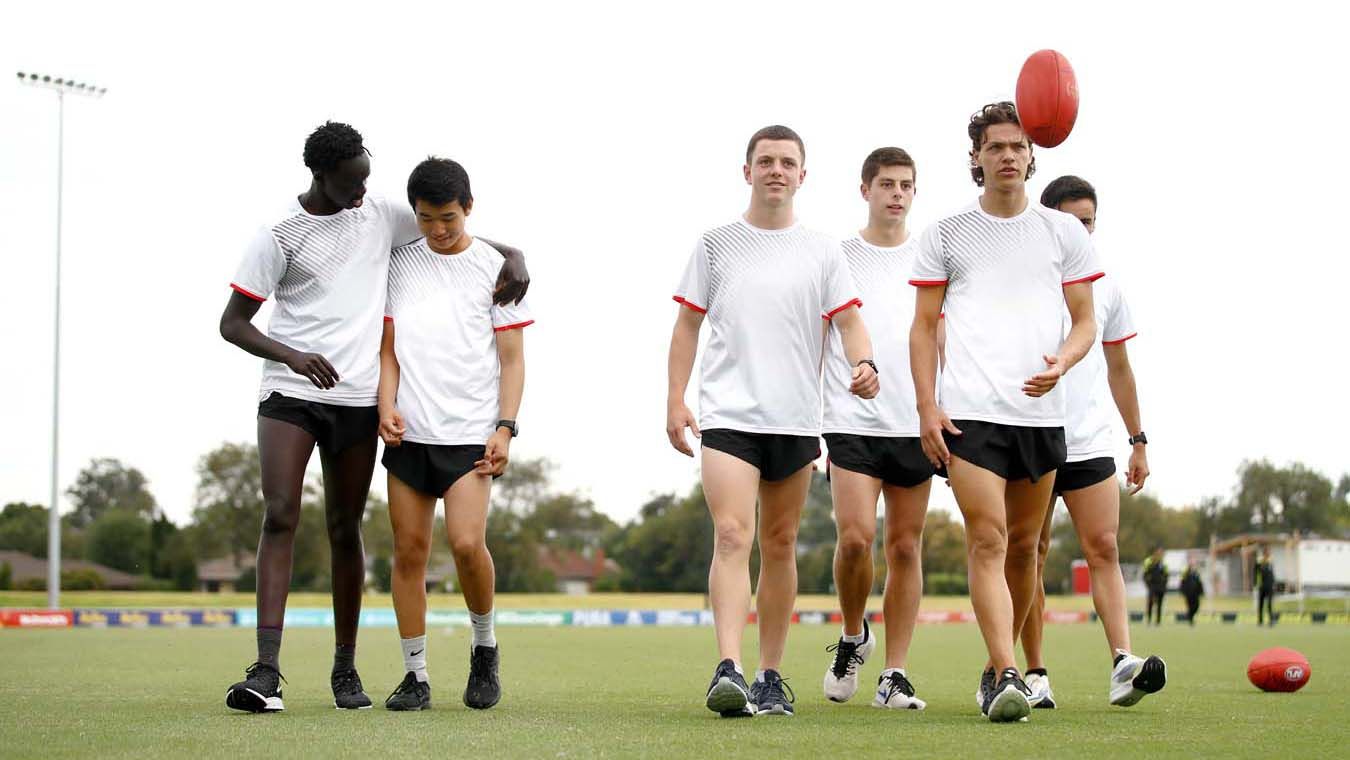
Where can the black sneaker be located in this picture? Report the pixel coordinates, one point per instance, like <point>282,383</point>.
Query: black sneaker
<point>411,694</point>
<point>728,695</point>
<point>986,685</point>
<point>773,696</point>
<point>485,688</point>
<point>260,691</point>
<point>1008,701</point>
<point>348,694</point>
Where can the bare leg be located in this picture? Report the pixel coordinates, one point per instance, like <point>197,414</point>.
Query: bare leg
<point>729,486</point>
<point>855,516</point>
<point>411,513</point>
<point>346,484</point>
<point>905,512</point>
<point>780,514</point>
<point>980,496</point>
<point>466,510</point>
<point>283,450</point>
<point>1034,627</point>
<point>1096,516</point>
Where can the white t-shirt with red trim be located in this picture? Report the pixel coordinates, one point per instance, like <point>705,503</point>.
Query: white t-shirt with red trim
<point>765,293</point>
<point>328,274</point>
<point>1091,431</point>
<point>445,327</point>
<point>881,276</point>
<point>1004,307</point>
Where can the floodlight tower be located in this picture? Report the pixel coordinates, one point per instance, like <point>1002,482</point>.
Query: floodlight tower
<point>61,87</point>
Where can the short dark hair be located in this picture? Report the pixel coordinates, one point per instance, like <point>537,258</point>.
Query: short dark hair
<point>439,181</point>
<point>1002,112</point>
<point>1068,188</point>
<point>882,157</point>
<point>774,132</point>
<point>331,144</point>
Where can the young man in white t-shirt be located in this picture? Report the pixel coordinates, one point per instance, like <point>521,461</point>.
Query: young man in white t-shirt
<point>326,259</point>
<point>1086,482</point>
<point>764,283</point>
<point>1000,273</point>
<point>874,447</point>
<point>452,371</point>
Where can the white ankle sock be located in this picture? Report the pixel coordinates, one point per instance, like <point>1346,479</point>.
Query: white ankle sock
<point>415,657</point>
<point>889,671</point>
<point>759,676</point>
<point>483,634</point>
<point>854,638</point>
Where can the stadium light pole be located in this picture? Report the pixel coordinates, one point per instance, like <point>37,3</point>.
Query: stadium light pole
<point>61,87</point>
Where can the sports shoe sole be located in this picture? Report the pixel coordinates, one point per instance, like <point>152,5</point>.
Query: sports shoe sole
<point>1009,706</point>
<point>1047,703</point>
<point>481,706</point>
<point>352,707</point>
<point>1149,679</point>
<point>426,706</point>
<point>778,710</point>
<point>909,703</point>
<point>729,700</point>
<point>248,700</point>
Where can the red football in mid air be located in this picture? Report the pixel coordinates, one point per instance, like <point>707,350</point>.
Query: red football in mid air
<point>1047,98</point>
<point>1279,669</point>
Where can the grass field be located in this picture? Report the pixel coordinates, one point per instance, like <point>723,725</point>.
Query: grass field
<point>625,692</point>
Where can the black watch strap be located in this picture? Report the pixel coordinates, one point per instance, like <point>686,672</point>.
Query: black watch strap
<point>509,425</point>
<point>1140,438</point>
<point>869,363</point>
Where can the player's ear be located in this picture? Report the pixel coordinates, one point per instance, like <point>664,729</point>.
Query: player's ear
<point>866,191</point>
<point>746,170</point>
<point>468,209</point>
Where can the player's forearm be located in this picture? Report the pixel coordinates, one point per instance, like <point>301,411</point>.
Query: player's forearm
<point>1120,377</point>
<point>923,360</point>
<point>853,335</point>
<point>242,333</point>
<point>680,363</point>
<point>386,394</point>
<point>511,386</point>
<point>1079,340</point>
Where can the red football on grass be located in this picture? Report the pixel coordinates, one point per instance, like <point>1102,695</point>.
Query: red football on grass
<point>1279,669</point>
<point>1047,98</point>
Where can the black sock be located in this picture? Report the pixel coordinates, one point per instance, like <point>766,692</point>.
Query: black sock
<point>344,657</point>
<point>1116,660</point>
<point>269,647</point>
<point>1037,672</point>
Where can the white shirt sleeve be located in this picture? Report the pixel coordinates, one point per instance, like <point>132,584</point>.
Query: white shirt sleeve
<point>1080,262</point>
<point>262,268</point>
<point>693,289</point>
<point>838,292</point>
<point>1119,325</point>
<point>511,316</point>
<point>929,267</point>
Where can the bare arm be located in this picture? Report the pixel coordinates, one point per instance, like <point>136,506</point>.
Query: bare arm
<point>236,326</point>
<point>510,387</point>
<point>679,365</point>
<point>1120,376</point>
<point>391,422</point>
<point>942,342</point>
<point>857,347</point>
<point>923,364</point>
<point>1078,297</point>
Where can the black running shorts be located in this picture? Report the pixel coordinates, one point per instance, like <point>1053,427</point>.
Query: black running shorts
<point>894,461</point>
<point>1013,452</point>
<point>428,467</point>
<point>776,456</point>
<point>1089,472</point>
<point>335,428</point>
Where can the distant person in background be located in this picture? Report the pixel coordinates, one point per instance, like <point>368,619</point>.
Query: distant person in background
<point>1155,579</point>
<point>1263,578</point>
<point>1192,588</point>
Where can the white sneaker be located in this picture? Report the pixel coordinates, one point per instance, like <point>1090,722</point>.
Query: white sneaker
<point>1008,700</point>
<point>895,692</point>
<point>1042,696</point>
<point>1134,678</point>
<point>841,678</point>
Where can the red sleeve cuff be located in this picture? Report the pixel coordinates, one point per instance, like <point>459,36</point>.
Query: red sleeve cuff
<point>927,283</point>
<point>841,307</point>
<point>1119,340</point>
<point>682,301</point>
<point>388,318</point>
<point>1089,278</point>
<point>515,326</point>
<point>248,293</point>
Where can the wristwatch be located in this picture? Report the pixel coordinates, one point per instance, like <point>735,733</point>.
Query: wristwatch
<point>1141,438</point>
<point>869,363</point>
<point>509,425</point>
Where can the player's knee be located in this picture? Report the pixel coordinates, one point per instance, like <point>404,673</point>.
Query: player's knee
<point>344,534</point>
<point>466,548</point>
<point>903,550</point>
<point>280,517</point>
<point>1100,549</point>
<point>986,542</point>
<point>1022,550</point>
<point>411,551</point>
<point>778,545</point>
<point>733,538</point>
<point>854,546</point>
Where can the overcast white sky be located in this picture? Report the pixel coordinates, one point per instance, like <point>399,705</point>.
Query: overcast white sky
<point>601,139</point>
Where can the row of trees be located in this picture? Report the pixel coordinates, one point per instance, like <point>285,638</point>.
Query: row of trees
<point>667,547</point>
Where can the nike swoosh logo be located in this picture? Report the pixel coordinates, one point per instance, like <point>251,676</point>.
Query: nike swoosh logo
<point>414,654</point>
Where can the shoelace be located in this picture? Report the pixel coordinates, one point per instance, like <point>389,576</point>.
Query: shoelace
<point>480,662</point>
<point>346,682</point>
<point>253,670</point>
<point>846,658</point>
<point>406,686</point>
<point>897,682</point>
<point>778,688</point>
